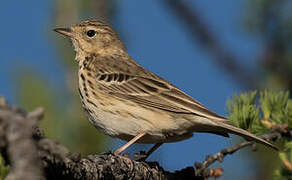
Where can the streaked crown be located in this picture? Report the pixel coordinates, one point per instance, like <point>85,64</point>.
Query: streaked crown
<point>92,36</point>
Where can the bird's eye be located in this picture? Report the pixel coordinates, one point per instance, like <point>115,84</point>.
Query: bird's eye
<point>90,33</point>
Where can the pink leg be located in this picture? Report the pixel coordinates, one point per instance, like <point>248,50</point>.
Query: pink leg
<point>132,141</point>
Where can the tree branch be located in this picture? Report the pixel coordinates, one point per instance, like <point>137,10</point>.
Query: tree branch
<point>202,168</point>
<point>278,131</point>
<point>16,143</point>
<point>199,31</point>
<point>32,156</point>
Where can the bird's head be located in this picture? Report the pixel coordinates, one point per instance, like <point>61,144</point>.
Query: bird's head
<point>92,36</point>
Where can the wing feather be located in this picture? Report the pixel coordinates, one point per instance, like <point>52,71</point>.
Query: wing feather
<point>154,93</point>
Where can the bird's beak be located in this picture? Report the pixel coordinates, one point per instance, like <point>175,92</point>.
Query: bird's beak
<point>65,31</point>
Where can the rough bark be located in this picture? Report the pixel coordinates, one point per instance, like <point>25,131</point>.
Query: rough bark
<point>32,156</point>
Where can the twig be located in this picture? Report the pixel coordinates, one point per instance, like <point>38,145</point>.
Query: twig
<point>201,168</point>
<point>200,31</point>
<point>287,164</point>
<point>277,132</point>
<point>32,156</point>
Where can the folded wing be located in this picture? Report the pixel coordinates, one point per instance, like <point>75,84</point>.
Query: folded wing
<point>154,93</point>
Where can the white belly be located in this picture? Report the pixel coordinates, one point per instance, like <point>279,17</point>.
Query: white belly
<point>159,127</point>
<point>125,119</point>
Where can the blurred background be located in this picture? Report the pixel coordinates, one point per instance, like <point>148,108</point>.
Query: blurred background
<point>209,49</point>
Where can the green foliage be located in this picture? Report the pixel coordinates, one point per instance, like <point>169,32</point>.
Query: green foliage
<point>243,112</point>
<point>258,112</point>
<point>276,106</point>
<point>3,169</point>
<point>286,156</point>
<point>282,174</point>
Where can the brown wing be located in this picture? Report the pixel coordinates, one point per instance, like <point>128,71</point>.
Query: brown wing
<point>155,93</point>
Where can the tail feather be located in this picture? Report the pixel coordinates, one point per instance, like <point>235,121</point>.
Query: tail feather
<point>245,134</point>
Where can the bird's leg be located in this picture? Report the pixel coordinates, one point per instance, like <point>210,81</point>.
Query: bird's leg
<point>132,141</point>
<point>145,156</point>
<point>153,148</point>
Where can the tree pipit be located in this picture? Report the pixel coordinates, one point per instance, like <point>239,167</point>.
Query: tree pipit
<point>124,100</point>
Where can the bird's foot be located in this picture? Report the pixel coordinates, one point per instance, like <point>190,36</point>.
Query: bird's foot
<point>126,158</point>
<point>142,156</point>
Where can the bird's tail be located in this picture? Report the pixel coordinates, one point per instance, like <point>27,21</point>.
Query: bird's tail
<point>227,128</point>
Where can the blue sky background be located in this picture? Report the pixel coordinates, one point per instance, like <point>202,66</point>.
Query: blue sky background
<point>157,39</point>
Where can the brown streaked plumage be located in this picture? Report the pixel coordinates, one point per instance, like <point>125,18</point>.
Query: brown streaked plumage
<point>125,100</point>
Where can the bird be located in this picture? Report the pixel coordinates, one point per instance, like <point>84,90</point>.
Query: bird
<point>126,101</point>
